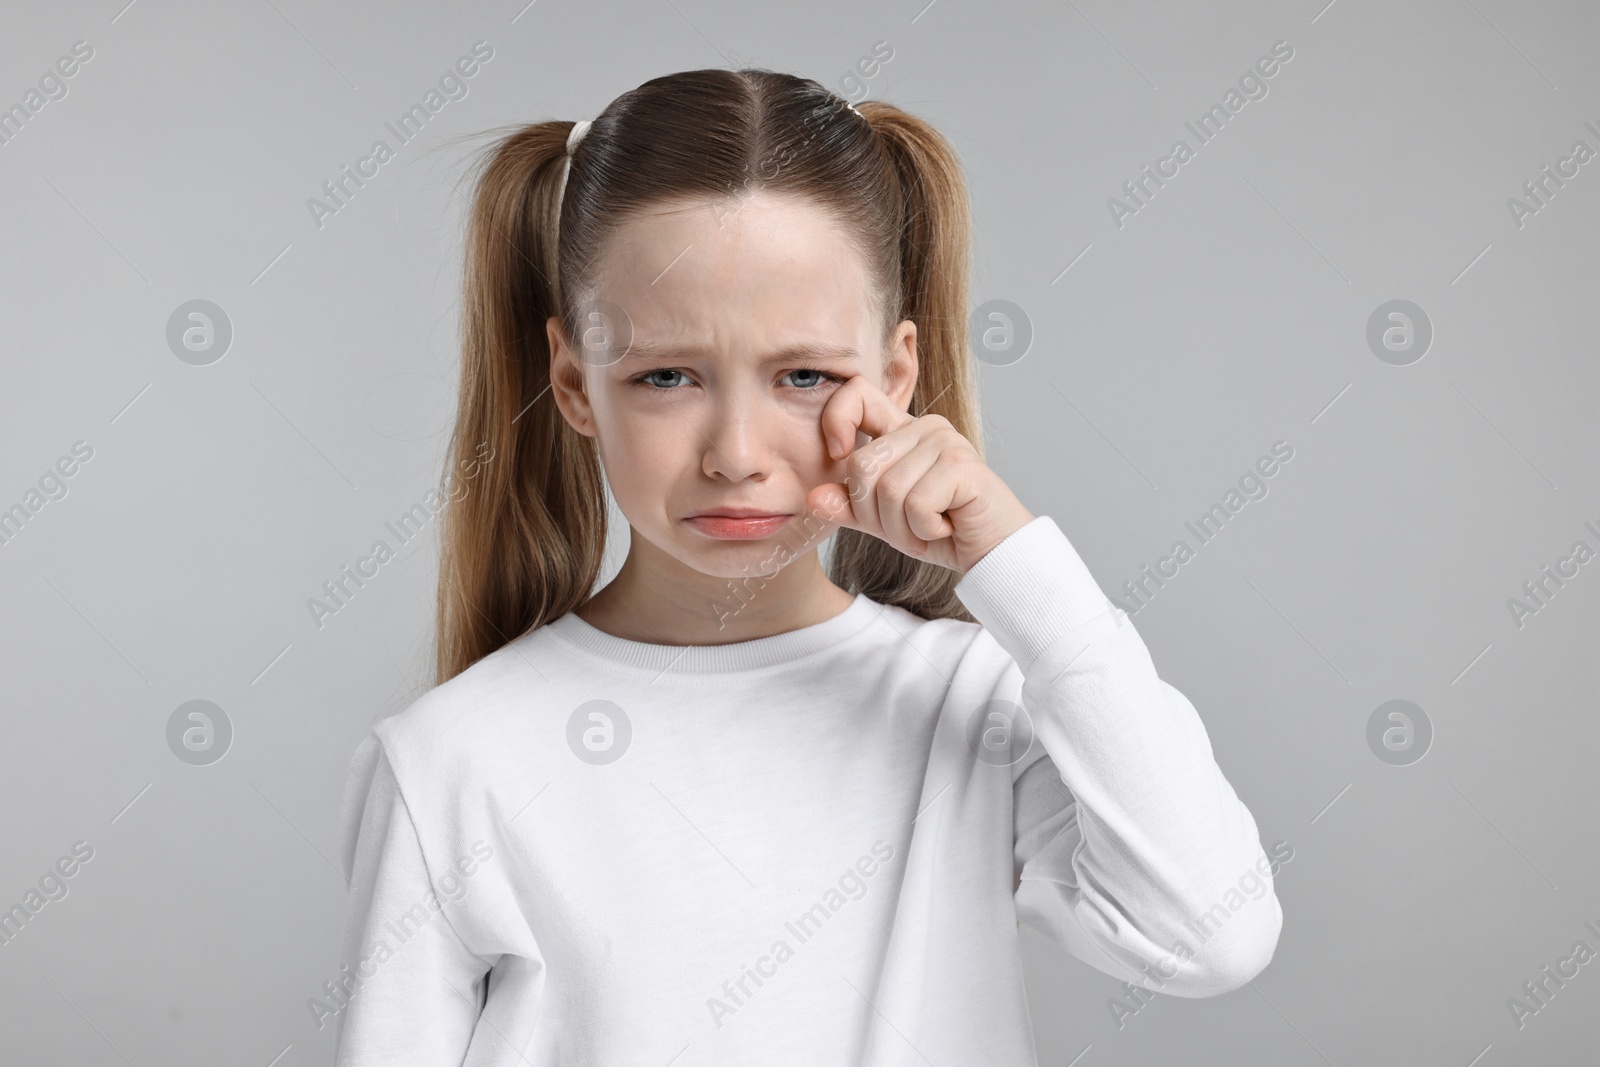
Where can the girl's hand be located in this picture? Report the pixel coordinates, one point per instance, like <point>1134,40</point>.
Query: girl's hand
<point>918,484</point>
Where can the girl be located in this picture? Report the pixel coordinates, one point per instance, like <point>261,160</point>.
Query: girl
<point>735,808</point>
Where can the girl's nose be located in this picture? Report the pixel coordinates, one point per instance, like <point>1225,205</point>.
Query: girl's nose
<point>735,442</point>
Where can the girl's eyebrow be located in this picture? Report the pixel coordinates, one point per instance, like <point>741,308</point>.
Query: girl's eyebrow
<point>651,351</point>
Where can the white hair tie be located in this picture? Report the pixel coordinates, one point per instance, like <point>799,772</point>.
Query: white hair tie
<point>577,134</point>
<point>579,129</point>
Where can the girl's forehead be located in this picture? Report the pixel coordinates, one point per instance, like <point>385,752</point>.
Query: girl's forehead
<point>771,275</point>
<point>666,328</point>
<point>758,228</point>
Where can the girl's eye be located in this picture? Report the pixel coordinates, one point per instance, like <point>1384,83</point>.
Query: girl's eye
<point>645,379</point>
<point>820,376</point>
<point>811,379</point>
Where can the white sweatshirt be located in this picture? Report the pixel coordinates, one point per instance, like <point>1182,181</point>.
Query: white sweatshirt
<point>799,849</point>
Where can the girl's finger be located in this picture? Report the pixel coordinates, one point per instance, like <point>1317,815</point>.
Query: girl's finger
<point>830,502</point>
<point>861,479</point>
<point>894,486</point>
<point>936,493</point>
<point>867,464</point>
<point>858,405</point>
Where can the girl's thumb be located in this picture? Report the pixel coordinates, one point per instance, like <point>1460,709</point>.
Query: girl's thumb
<point>830,502</point>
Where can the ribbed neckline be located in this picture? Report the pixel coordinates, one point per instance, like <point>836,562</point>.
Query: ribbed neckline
<point>718,659</point>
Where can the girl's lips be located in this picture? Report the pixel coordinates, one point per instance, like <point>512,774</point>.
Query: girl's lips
<point>726,528</point>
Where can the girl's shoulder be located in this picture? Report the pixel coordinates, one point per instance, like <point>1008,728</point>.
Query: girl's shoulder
<point>472,710</point>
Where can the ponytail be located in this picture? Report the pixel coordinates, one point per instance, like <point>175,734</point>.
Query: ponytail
<point>935,261</point>
<point>524,544</point>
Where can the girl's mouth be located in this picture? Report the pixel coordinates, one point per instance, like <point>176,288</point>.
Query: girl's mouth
<point>738,527</point>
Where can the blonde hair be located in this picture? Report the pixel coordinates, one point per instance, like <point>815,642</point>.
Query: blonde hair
<point>525,545</point>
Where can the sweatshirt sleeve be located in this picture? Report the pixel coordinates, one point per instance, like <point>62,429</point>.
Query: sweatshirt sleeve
<point>1135,853</point>
<point>409,989</point>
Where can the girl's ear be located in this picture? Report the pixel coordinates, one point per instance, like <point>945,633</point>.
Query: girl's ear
<point>567,384</point>
<point>900,367</point>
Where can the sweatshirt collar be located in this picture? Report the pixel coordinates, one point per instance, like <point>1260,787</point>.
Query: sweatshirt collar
<point>756,653</point>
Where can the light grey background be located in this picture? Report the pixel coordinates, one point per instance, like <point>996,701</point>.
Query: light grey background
<point>1228,314</point>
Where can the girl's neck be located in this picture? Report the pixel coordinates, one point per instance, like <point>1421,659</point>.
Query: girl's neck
<point>679,606</point>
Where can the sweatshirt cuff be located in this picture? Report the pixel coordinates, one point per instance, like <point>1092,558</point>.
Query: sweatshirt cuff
<point>1032,590</point>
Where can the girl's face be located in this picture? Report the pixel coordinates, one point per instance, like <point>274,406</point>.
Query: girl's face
<point>745,318</point>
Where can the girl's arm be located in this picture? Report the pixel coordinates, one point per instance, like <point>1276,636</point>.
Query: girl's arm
<point>409,989</point>
<point>1135,853</point>
<point>1140,861</point>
